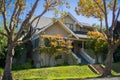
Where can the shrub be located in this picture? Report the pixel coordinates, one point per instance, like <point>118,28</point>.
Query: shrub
<point>26,65</point>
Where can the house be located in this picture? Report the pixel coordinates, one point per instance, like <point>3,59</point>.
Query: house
<point>71,29</point>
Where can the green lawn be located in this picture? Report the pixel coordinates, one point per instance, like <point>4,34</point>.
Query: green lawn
<point>116,68</point>
<point>61,72</point>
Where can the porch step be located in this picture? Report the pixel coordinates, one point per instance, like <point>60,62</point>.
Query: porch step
<point>97,68</point>
<point>83,61</point>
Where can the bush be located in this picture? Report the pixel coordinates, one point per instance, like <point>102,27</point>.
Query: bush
<point>26,65</point>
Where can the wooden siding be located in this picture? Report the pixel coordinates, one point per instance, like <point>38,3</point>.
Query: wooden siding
<point>55,29</point>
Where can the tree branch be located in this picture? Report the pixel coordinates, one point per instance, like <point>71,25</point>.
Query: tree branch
<point>2,33</point>
<point>4,17</point>
<point>113,18</point>
<point>26,21</point>
<point>11,19</point>
<point>106,18</point>
<point>117,16</point>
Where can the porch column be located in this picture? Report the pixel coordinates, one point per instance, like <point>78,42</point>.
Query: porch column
<point>82,44</point>
<point>74,26</point>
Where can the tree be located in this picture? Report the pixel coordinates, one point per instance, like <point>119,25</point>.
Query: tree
<point>97,43</point>
<point>53,45</point>
<point>17,26</point>
<point>102,7</point>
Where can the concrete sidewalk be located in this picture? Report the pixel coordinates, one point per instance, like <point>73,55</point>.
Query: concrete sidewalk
<point>112,78</point>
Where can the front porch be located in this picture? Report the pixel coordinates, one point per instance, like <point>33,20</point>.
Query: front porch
<point>77,45</point>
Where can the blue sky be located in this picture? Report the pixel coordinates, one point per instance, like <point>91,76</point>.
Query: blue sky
<point>73,4</point>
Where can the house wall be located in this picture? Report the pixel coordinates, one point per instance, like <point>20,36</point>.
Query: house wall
<point>43,59</point>
<point>56,29</point>
<point>69,20</point>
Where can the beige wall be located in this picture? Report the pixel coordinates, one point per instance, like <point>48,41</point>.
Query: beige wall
<point>56,29</point>
<point>69,20</point>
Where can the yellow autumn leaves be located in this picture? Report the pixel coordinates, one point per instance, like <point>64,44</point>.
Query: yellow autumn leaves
<point>21,4</point>
<point>56,41</point>
<point>89,8</point>
<point>55,44</point>
<point>97,35</point>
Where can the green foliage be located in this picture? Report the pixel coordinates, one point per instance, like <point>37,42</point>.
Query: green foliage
<point>26,65</point>
<point>116,67</point>
<point>117,55</point>
<point>3,44</point>
<point>58,57</point>
<point>97,42</point>
<point>1,71</point>
<point>20,49</point>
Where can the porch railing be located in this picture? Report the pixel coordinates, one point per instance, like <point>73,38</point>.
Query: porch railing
<point>86,56</point>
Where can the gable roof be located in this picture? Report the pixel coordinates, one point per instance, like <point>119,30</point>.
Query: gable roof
<point>44,21</point>
<point>80,23</point>
<point>71,16</point>
<point>62,25</point>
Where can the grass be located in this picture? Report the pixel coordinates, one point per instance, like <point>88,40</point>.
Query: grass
<point>116,68</point>
<point>61,72</point>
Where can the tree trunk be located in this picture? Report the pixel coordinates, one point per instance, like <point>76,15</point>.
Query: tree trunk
<point>7,75</point>
<point>96,61</point>
<point>108,66</point>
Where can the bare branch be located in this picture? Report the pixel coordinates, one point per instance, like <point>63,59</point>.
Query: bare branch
<point>4,17</point>
<point>38,17</point>
<point>11,20</point>
<point>113,14</point>
<point>106,18</point>
<point>118,13</point>
<point>26,21</point>
<point>101,25</point>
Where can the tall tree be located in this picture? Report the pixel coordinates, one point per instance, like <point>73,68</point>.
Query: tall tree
<point>16,29</point>
<point>98,7</point>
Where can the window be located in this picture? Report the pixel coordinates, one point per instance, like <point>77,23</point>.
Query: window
<point>69,25</point>
<point>35,43</point>
<point>58,57</point>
